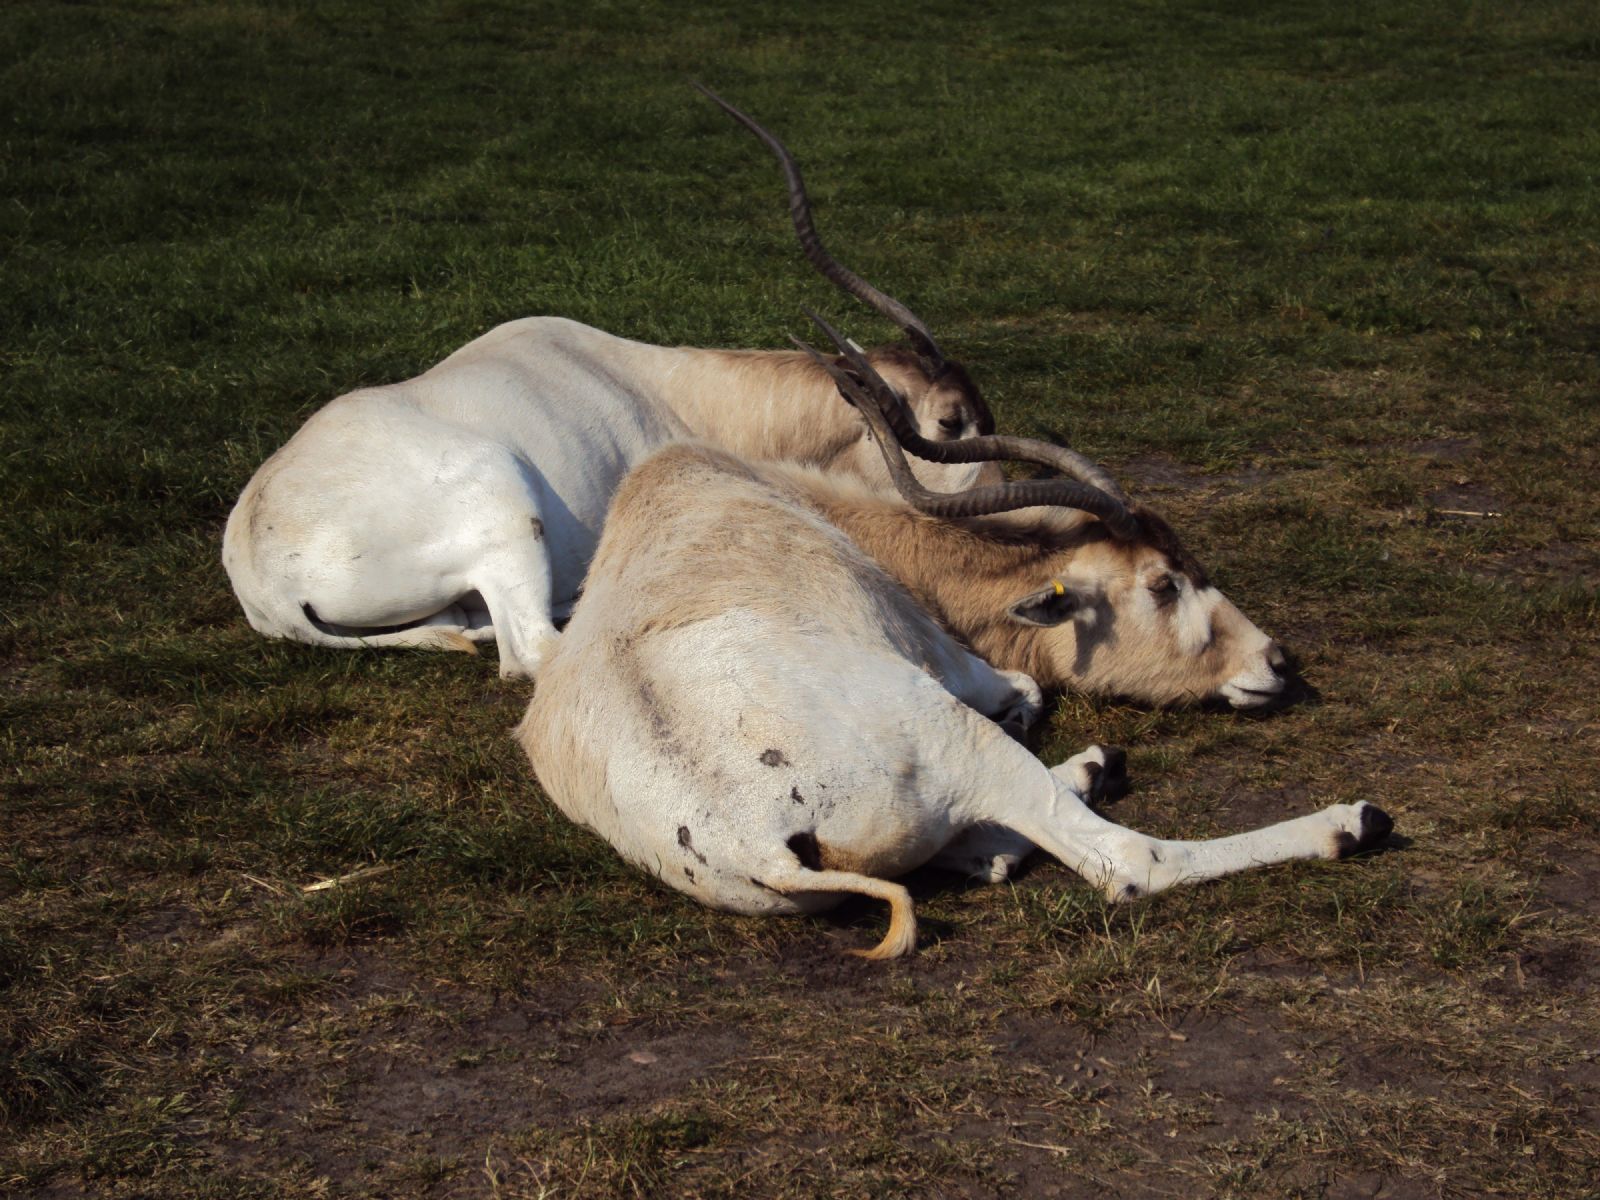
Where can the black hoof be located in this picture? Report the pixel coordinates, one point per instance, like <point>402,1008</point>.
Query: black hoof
<point>1116,764</point>
<point>1111,781</point>
<point>1376,825</point>
<point>1096,774</point>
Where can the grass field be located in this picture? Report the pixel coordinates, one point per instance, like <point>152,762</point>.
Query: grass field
<point>1322,282</point>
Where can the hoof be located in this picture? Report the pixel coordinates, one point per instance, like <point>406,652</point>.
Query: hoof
<point>1375,825</point>
<point>1109,781</point>
<point>1114,779</point>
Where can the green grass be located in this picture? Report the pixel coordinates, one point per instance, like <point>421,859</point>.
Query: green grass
<point>1309,275</point>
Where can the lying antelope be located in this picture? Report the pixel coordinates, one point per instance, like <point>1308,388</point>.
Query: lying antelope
<point>463,506</point>
<point>751,703</point>
<point>1122,607</point>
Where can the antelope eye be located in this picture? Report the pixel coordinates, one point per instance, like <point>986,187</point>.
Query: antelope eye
<point>952,424</point>
<point>1164,588</point>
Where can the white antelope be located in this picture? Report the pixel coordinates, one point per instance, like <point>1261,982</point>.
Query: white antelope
<point>463,506</point>
<point>751,704</point>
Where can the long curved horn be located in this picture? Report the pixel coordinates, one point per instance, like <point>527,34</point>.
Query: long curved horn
<point>864,388</point>
<point>988,448</point>
<point>838,273</point>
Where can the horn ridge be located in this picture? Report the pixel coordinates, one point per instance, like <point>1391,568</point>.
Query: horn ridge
<point>987,448</point>
<point>874,399</point>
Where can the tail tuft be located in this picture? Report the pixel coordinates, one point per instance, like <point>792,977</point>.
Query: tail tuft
<point>449,639</point>
<point>901,939</point>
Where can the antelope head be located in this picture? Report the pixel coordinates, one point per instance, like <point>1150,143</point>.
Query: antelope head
<point>1093,592</point>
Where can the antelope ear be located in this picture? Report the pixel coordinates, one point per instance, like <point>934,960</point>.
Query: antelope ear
<point>1050,606</point>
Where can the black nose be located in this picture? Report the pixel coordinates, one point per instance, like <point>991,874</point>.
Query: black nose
<point>1277,660</point>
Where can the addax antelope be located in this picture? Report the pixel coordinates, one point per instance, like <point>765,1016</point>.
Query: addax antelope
<point>463,506</point>
<point>751,703</point>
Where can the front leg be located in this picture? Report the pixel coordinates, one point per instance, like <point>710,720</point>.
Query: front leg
<point>1025,706</point>
<point>1124,864</point>
<point>1098,774</point>
<point>1009,698</point>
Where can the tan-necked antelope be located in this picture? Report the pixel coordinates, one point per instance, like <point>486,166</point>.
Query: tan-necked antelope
<point>759,698</point>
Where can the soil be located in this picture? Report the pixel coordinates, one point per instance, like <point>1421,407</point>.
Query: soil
<point>1153,474</point>
<point>453,1075</point>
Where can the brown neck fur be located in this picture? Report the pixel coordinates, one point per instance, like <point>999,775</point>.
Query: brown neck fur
<point>969,573</point>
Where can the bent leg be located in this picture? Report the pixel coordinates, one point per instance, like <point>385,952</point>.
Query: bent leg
<point>1009,698</point>
<point>474,532</point>
<point>992,852</point>
<point>988,852</point>
<point>514,581</point>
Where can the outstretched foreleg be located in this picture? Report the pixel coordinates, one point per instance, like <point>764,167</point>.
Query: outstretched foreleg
<point>1125,864</point>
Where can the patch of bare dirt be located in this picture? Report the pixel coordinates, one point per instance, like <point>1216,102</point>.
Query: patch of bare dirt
<point>1442,449</point>
<point>393,1067</point>
<point>1465,500</point>
<point>1572,880</point>
<point>1195,1092</point>
<point>459,1086</point>
<point>1228,1063</point>
<point>1557,562</point>
<point>1558,965</point>
<point>1154,472</point>
<point>1439,452</point>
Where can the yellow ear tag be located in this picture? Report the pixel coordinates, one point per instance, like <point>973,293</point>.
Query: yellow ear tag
<point>1060,591</point>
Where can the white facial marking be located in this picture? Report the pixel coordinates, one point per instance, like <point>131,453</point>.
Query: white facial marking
<point>1193,617</point>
